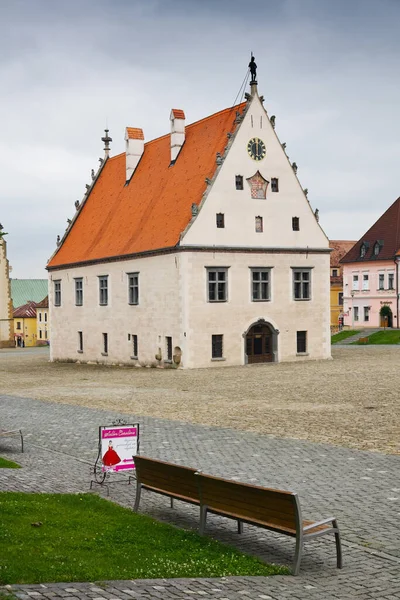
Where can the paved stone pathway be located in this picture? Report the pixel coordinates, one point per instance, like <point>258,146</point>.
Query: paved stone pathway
<point>357,336</point>
<point>362,489</point>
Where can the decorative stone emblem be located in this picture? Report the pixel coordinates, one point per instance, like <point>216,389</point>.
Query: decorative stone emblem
<point>258,186</point>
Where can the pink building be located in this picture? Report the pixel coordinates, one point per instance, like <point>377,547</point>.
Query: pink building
<point>371,274</point>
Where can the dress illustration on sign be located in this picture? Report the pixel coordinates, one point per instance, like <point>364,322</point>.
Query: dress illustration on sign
<point>258,186</point>
<point>111,458</point>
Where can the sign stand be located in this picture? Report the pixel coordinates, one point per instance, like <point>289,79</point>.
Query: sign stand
<point>118,444</point>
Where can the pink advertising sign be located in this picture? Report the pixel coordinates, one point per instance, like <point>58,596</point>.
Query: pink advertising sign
<point>118,446</point>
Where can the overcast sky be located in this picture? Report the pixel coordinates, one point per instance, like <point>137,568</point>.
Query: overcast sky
<point>329,71</point>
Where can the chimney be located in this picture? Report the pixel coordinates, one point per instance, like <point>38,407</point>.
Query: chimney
<point>134,139</point>
<point>177,132</point>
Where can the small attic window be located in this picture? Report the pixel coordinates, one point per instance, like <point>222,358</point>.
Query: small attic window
<point>239,182</point>
<point>295,223</point>
<point>274,184</point>
<point>363,250</point>
<point>377,248</point>
<point>220,220</point>
<point>259,224</point>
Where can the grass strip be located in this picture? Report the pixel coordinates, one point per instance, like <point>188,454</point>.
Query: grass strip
<point>382,337</point>
<point>8,464</point>
<point>342,335</point>
<point>81,537</point>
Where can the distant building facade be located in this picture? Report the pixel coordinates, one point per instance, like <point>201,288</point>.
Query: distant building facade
<point>339,250</point>
<point>25,329</point>
<point>197,249</point>
<point>42,322</point>
<point>6,315</point>
<point>371,274</point>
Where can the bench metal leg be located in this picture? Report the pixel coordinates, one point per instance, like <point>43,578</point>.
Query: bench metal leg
<point>22,440</point>
<point>240,526</point>
<point>298,554</point>
<point>138,494</point>
<point>172,502</point>
<point>203,519</point>
<point>339,558</point>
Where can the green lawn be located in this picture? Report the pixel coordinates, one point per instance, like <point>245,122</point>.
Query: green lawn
<point>390,336</point>
<point>8,464</point>
<point>59,537</point>
<point>342,335</point>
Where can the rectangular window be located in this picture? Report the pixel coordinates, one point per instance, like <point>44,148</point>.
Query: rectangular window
<point>133,288</point>
<point>45,317</point>
<point>78,291</point>
<point>217,284</point>
<point>80,341</point>
<point>168,346</point>
<point>18,324</point>
<point>365,281</point>
<point>105,343</point>
<point>381,284</point>
<point>220,220</point>
<point>260,284</point>
<point>334,272</point>
<point>103,290</point>
<point>391,281</point>
<point>134,346</point>
<point>302,284</point>
<point>57,293</point>
<point>239,182</point>
<point>355,309</point>
<point>340,298</point>
<point>40,317</point>
<point>295,223</point>
<point>45,334</point>
<point>355,282</point>
<point>301,342</point>
<point>366,313</point>
<point>217,346</point>
<point>259,224</point>
<point>274,184</point>
<point>40,334</point>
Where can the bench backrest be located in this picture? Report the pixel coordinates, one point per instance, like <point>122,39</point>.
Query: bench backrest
<point>168,477</point>
<point>276,507</point>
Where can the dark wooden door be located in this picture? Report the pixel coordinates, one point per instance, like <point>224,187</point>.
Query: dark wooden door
<point>259,344</point>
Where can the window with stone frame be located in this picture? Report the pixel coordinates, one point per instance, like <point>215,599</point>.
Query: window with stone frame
<point>80,341</point>
<point>217,346</point>
<point>168,347</point>
<point>105,344</point>
<point>260,284</point>
<point>301,284</point>
<point>301,342</point>
<point>355,282</point>
<point>217,282</point>
<point>78,291</point>
<point>381,281</point>
<point>366,313</point>
<point>134,346</point>
<point>239,182</point>
<point>390,281</point>
<point>103,290</point>
<point>295,223</point>
<point>356,312</point>
<point>57,292</point>
<point>220,219</point>
<point>274,184</point>
<point>133,288</point>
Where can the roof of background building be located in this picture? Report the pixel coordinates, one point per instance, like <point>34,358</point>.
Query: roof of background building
<point>340,249</point>
<point>385,231</point>
<point>154,208</point>
<point>26,290</point>
<point>44,303</point>
<point>26,311</point>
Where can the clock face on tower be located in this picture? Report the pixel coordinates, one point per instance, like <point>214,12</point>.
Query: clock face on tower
<point>256,149</point>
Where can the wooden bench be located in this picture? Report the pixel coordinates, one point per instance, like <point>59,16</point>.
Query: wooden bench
<point>12,433</point>
<point>271,509</point>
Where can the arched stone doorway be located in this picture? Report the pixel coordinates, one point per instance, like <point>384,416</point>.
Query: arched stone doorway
<point>261,343</point>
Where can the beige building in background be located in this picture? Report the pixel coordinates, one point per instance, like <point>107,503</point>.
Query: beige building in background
<point>6,309</point>
<point>196,249</point>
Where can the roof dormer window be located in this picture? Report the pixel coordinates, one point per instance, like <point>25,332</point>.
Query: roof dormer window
<point>363,249</point>
<point>377,247</point>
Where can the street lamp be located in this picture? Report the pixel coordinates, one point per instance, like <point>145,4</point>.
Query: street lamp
<point>352,308</point>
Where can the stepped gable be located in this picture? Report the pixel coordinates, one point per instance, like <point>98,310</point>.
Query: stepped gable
<point>386,231</point>
<point>154,207</point>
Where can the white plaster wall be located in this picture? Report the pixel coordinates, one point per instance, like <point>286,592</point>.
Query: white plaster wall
<point>233,318</point>
<point>157,315</point>
<point>240,209</point>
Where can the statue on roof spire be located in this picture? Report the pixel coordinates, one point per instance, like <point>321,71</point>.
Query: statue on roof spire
<point>253,68</point>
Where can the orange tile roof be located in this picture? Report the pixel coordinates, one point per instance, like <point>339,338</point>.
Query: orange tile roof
<point>135,133</point>
<point>178,113</point>
<point>151,211</point>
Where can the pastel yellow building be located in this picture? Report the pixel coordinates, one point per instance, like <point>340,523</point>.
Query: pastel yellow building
<point>25,328</point>
<point>42,322</point>
<point>340,248</point>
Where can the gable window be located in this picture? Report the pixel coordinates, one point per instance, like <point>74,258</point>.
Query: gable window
<point>79,291</point>
<point>302,284</point>
<point>168,345</point>
<point>301,342</point>
<point>220,220</point>
<point>105,344</point>
<point>391,281</point>
<point>355,309</point>
<point>133,288</point>
<point>295,223</point>
<point>217,346</point>
<point>217,279</point>
<point>334,272</point>
<point>365,281</point>
<point>103,290</point>
<point>134,346</point>
<point>366,313</point>
<point>40,316</point>
<point>381,284</point>
<point>57,292</point>
<point>355,282</point>
<point>239,182</point>
<point>274,184</point>
<point>259,224</point>
<point>80,341</point>
<point>260,284</point>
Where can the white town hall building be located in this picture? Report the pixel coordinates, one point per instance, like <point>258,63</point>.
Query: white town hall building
<point>195,249</point>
